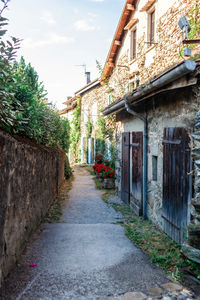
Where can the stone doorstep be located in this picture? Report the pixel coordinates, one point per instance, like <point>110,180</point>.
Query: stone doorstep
<point>130,296</point>
<point>172,287</point>
<point>157,293</point>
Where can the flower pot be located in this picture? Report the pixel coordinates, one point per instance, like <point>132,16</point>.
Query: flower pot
<point>109,183</point>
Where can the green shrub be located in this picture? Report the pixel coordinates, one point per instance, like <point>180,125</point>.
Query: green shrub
<point>24,109</point>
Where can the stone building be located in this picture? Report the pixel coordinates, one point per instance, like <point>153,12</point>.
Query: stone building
<point>70,105</point>
<point>156,114</point>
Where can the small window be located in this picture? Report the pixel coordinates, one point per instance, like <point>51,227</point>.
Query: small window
<point>133,44</point>
<point>151,28</point>
<point>154,168</point>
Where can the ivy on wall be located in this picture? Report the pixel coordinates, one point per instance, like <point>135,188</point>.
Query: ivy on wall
<point>89,127</point>
<point>105,136</point>
<point>75,134</point>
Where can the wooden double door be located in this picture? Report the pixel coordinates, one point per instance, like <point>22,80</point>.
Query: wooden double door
<point>131,188</point>
<point>177,181</point>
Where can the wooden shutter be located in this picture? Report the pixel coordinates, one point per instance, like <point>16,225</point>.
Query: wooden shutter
<point>176,182</point>
<point>125,180</point>
<point>137,172</point>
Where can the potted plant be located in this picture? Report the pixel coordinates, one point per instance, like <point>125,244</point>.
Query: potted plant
<point>108,178</point>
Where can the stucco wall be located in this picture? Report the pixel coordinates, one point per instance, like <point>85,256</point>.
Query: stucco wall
<point>30,175</point>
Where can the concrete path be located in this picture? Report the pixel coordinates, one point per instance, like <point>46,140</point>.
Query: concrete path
<point>86,256</point>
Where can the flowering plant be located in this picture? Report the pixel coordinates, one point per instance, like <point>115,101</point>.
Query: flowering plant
<point>106,162</point>
<point>99,158</point>
<point>109,173</point>
<point>104,171</point>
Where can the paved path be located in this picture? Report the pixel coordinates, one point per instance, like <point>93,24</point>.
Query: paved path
<point>85,257</point>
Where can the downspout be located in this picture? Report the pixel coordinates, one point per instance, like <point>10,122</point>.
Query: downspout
<point>144,178</point>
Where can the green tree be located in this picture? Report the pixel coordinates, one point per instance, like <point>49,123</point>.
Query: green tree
<point>23,107</point>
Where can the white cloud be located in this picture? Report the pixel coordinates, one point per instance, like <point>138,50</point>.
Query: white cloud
<point>92,15</point>
<point>75,10</point>
<point>48,18</point>
<point>85,25</point>
<point>51,40</point>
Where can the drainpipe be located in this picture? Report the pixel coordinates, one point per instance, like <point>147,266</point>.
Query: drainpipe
<point>144,179</point>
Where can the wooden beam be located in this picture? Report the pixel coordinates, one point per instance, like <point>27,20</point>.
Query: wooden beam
<point>130,24</point>
<point>118,43</point>
<point>110,65</point>
<point>148,5</point>
<point>130,7</point>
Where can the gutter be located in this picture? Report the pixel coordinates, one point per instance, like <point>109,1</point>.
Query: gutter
<point>87,87</point>
<point>144,153</point>
<point>184,68</point>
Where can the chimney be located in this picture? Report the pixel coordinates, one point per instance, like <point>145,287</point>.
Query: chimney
<point>87,77</point>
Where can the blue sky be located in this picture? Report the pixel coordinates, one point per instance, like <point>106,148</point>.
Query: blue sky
<point>60,34</point>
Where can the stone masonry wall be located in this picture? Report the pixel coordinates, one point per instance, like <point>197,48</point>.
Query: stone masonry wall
<point>30,176</point>
<point>99,94</point>
<point>177,109</point>
<point>166,50</point>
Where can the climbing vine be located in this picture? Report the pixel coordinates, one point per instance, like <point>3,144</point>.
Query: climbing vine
<point>76,130</point>
<point>194,20</point>
<point>89,127</point>
<point>105,132</point>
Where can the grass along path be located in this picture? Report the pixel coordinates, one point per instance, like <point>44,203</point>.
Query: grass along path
<point>161,249</point>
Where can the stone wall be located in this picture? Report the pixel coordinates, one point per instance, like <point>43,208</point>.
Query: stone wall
<point>30,176</point>
<point>97,98</point>
<point>175,109</point>
<point>191,249</point>
<point>153,60</point>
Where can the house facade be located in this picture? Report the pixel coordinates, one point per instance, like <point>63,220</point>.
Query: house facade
<point>70,105</point>
<point>156,118</point>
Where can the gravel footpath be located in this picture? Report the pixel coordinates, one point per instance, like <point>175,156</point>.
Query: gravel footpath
<point>86,257</point>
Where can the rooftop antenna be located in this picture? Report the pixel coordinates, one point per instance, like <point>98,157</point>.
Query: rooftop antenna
<point>83,65</point>
<point>87,74</point>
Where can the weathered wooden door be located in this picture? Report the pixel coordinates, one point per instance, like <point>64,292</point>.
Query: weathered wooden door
<point>176,182</point>
<point>125,180</point>
<point>137,162</point>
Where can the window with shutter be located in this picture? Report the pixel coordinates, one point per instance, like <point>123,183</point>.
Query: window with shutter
<point>151,27</point>
<point>133,44</point>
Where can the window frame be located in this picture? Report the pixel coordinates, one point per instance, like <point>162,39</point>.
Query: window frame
<point>151,28</point>
<point>133,43</point>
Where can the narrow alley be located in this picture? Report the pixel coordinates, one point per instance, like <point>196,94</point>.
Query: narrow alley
<point>85,256</point>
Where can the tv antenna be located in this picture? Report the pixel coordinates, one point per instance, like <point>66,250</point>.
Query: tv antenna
<point>87,74</point>
<point>83,65</point>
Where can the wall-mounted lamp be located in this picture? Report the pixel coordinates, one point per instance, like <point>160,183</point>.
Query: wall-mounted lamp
<point>185,27</point>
